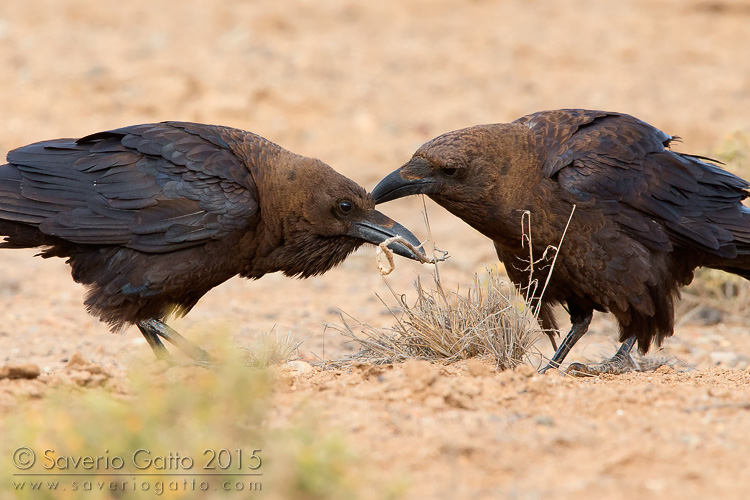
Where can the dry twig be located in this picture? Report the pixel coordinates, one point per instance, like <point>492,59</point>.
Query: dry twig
<point>384,250</point>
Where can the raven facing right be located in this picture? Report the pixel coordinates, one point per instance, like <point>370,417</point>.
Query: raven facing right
<point>151,217</point>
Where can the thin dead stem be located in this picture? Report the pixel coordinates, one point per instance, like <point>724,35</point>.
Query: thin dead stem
<point>557,252</point>
<point>429,236</point>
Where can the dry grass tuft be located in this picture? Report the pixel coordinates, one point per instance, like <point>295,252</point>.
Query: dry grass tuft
<point>273,348</point>
<point>491,320</point>
<point>715,296</point>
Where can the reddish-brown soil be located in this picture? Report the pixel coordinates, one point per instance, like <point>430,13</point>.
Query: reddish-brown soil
<point>361,85</point>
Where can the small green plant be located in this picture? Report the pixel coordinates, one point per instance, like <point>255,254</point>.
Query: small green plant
<point>735,153</point>
<point>181,432</point>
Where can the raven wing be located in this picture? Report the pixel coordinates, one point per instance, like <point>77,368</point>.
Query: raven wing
<point>624,166</point>
<point>153,188</point>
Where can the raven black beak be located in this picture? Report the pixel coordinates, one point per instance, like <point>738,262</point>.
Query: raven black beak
<point>413,178</point>
<point>377,228</point>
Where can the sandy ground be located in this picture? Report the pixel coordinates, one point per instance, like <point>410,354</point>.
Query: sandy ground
<point>361,85</point>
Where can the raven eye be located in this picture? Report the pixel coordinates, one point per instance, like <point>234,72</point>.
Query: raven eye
<point>450,172</point>
<point>345,206</point>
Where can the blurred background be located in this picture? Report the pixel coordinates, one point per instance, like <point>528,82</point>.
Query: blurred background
<point>359,85</point>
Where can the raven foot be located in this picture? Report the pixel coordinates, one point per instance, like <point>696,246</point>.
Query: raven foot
<point>152,329</point>
<point>618,364</point>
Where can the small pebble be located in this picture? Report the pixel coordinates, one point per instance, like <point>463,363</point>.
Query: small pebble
<point>18,370</point>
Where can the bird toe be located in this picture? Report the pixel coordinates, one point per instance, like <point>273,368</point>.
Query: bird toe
<point>612,366</point>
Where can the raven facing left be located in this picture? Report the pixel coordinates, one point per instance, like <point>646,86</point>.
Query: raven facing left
<point>643,219</point>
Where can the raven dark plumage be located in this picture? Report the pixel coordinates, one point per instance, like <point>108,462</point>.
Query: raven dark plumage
<point>151,217</point>
<point>645,216</point>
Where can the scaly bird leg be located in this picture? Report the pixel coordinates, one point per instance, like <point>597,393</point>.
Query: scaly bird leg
<point>577,330</point>
<point>152,329</point>
<point>153,341</point>
<point>617,364</point>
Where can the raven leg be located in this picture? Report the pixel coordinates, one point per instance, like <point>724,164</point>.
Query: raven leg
<point>152,329</point>
<point>577,330</point>
<point>153,341</point>
<point>617,364</point>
